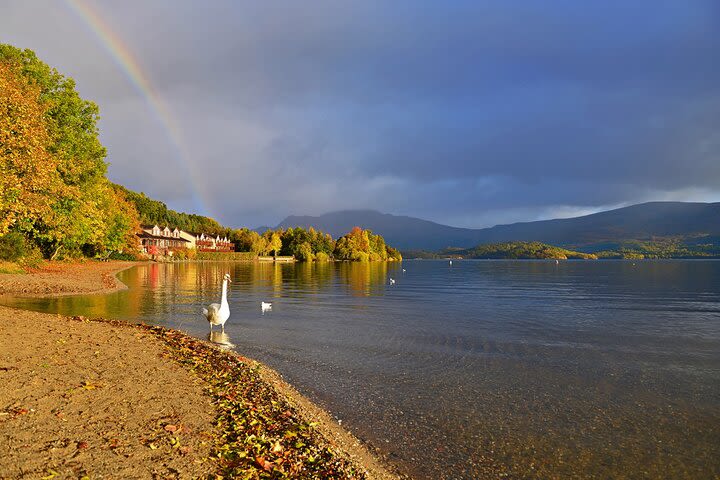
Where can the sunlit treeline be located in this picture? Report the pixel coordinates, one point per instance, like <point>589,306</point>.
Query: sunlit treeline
<point>309,244</point>
<point>54,197</point>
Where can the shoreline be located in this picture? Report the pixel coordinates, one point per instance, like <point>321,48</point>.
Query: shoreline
<point>343,450</point>
<point>59,279</point>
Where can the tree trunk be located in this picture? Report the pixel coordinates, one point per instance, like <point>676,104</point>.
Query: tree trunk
<point>56,252</point>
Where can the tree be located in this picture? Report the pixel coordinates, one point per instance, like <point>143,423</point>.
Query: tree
<point>120,223</point>
<point>260,245</point>
<point>29,176</point>
<point>244,239</point>
<point>273,242</point>
<point>70,120</point>
<point>303,252</point>
<point>362,246</point>
<point>53,186</point>
<point>154,212</point>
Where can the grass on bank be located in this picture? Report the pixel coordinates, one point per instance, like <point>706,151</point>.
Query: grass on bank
<point>10,267</point>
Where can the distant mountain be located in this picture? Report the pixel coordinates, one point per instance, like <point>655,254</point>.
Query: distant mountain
<point>639,222</point>
<point>588,233</point>
<point>399,231</point>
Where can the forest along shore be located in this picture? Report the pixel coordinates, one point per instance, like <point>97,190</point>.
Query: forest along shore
<point>100,397</point>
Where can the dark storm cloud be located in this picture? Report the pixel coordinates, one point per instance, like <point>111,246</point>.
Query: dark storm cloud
<point>462,112</point>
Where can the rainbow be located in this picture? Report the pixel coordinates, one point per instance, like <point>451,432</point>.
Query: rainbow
<point>126,62</point>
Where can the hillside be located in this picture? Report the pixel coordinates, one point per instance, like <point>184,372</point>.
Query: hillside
<point>400,231</point>
<point>643,221</point>
<point>599,231</point>
<point>155,212</point>
<point>521,250</point>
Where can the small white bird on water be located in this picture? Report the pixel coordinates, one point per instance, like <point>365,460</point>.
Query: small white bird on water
<point>265,306</point>
<point>392,281</point>
<point>404,270</point>
<point>218,313</point>
<point>451,263</point>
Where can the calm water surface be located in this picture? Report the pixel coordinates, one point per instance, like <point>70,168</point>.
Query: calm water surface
<point>483,368</point>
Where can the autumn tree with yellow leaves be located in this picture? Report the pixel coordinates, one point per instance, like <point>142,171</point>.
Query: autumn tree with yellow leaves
<point>53,188</point>
<point>28,172</point>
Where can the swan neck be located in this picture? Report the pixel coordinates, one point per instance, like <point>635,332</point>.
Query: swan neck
<point>223,299</point>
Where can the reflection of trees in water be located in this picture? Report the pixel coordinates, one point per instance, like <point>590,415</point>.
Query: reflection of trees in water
<point>311,277</point>
<point>157,288</point>
<point>207,277</point>
<point>297,279</point>
<point>89,306</point>
<point>361,277</point>
<point>265,274</point>
<point>277,279</point>
<point>161,288</point>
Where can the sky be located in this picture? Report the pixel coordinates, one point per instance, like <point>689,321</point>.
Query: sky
<point>465,113</point>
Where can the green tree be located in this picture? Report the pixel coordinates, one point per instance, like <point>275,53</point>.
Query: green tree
<point>303,252</point>
<point>154,212</point>
<point>273,243</point>
<point>53,162</point>
<point>362,246</point>
<point>70,120</point>
<point>120,223</point>
<point>29,176</point>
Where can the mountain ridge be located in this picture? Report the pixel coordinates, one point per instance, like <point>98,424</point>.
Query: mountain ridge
<point>639,221</point>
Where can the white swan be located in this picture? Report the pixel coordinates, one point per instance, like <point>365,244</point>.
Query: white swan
<point>218,313</point>
<point>392,281</point>
<point>265,306</point>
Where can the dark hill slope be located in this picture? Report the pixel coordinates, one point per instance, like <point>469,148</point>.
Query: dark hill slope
<point>643,221</point>
<point>400,231</point>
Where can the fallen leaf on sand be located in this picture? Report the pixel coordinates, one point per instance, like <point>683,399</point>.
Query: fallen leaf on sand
<point>264,464</point>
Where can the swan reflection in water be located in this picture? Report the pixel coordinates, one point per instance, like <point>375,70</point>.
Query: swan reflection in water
<point>221,339</point>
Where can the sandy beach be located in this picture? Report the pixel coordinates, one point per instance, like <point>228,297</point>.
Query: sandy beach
<point>99,398</point>
<point>63,278</point>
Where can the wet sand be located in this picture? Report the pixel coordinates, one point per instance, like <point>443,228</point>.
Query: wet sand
<point>106,398</point>
<point>64,278</point>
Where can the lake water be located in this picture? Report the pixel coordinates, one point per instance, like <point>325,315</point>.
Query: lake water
<point>483,368</point>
